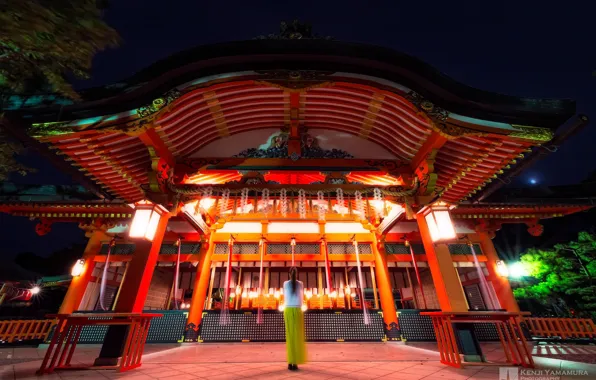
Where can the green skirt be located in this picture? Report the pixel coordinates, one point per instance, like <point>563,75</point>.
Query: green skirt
<point>295,346</point>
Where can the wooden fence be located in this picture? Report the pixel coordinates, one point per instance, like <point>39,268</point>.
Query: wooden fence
<point>21,330</point>
<point>563,328</point>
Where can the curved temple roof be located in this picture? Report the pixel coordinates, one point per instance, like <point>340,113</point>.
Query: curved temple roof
<point>199,96</point>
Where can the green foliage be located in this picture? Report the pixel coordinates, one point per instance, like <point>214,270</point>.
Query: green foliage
<point>565,273</point>
<point>43,41</point>
<point>8,164</point>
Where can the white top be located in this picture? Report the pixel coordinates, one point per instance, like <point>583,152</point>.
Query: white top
<point>293,299</point>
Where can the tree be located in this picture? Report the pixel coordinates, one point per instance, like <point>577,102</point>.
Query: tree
<point>564,277</point>
<point>8,164</point>
<point>50,39</point>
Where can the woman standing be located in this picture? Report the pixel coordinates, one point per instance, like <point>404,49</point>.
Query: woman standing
<point>294,320</point>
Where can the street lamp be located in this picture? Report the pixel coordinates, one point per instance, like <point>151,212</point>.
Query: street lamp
<point>439,222</point>
<point>146,219</point>
<point>518,270</point>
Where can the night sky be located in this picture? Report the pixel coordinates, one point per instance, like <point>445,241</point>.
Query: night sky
<point>513,48</point>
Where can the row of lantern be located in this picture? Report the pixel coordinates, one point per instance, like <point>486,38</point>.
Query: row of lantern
<point>148,215</point>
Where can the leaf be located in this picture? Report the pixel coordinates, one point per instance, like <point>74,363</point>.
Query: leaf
<point>50,39</point>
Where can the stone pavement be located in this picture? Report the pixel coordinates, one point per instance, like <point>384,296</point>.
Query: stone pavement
<point>267,361</point>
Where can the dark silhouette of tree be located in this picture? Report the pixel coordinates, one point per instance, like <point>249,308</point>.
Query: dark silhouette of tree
<point>43,41</point>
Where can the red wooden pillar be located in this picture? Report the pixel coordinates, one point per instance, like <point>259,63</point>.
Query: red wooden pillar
<point>200,288</point>
<point>501,284</point>
<point>133,292</point>
<point>78,284</point>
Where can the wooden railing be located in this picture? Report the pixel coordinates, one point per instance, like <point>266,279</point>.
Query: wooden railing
<point>563,328</point>
<point>507,325</point>
<point>20,330</point>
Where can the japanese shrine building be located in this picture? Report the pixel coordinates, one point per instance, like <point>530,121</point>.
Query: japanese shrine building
<point>365,168</point>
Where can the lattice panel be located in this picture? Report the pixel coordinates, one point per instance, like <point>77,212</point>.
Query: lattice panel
<point>319,326</point>
<point>299,249</point>
<point>167,329</point>
<point>325,327</point>
<point>419,328</point>
<point>415,327</point>
<point>118,249</point>
<point>186,248</point>
<point>239,249</point>
<point>402,249</point>
<point>348,249</point>
<point>243,327</point>
<point>464,249</point>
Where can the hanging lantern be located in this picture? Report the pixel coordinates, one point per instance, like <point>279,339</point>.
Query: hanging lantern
<point>293,246</point>
<point>322,205</point>
<point>302,203</point>
<point>77,268</point>
<point>283,200</point>
<point>146,219</point>
<point>439,222</point>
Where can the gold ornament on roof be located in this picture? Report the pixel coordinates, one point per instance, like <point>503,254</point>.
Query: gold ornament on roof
<point>532,133</point>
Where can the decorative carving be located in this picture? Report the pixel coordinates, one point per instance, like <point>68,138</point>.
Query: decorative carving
<point>158,103</point>
<point>55,128</point>
<point>191,333</point>
<point>451,130</point>
<point>277,147</point>
<point>295,30</point>
<point>43,227</point>
<point>334,178</point>
<point>434,112</point>
<point>532,133</point>
<point>145,115</point>
<point>392,331</point>
<point>426,174</point>
<point>160,174</point>
<point>535,228</point>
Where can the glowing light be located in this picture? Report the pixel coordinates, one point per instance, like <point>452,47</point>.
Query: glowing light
<point>276,294</point>
<point>518,270</point>
<point>77,268</point>
<point>232,295</point>
<point>439,222</point>
<point>533,181</point>
<point>241,227</point>
<point>308,294</point>
<point>293,228</point>
<point>345,227</point>
<point>334,294</point>
<point>304,307</point>
<point>502,269</point>
<point>206,203</point>
<point>378,205</point>
<point>35,290</point>
<point>147,217</point>
<point>281,308</point>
